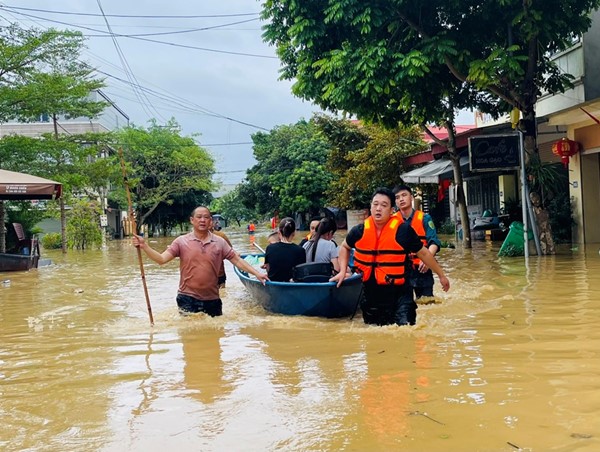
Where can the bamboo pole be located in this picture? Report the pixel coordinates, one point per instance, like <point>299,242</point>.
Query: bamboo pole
<point>134,231</point>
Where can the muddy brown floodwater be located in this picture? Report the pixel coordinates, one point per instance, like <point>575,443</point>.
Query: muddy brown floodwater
<point>509,360</point>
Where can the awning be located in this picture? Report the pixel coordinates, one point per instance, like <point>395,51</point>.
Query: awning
<point>18,186</point>
<point>434,172</point>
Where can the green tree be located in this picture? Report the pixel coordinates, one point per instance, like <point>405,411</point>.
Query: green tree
<point>40,73</point>
<point>27,54</point>
<point>290,175</point>
<point>419,61</point>
<point>176,211</point>
<point>232,208</point>
<point>162,164</point>
<point>364,157</point>
<point>502,49</point>
<point>359,71</point>
<point>83,227</point>
<point>69,159</point>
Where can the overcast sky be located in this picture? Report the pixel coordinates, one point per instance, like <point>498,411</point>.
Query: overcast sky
<point>224,85</point>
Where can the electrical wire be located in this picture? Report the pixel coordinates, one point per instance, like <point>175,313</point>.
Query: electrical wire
<point>201,109</point>
<point>163,33</point>
<point>156,41</point>
<point>131,16</point>
<point>191,107</point>
<point>144,100</point>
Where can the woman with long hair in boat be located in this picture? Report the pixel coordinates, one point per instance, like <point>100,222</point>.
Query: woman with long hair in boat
<point>320,247</point>
<point>282,257</point>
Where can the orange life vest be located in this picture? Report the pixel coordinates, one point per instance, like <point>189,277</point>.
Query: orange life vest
<point>417,224</point>
<point>381,254</point>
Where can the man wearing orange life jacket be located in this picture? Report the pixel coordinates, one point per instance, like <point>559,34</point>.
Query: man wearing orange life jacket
<point>421,278</point>
<point>382,244</point>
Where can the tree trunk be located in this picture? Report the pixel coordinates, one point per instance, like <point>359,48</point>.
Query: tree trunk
<point>458,181</point>
<point>2,229</point>
<point>542,220</point>
<point>460,199</point>
<point>63,214</point>
<point>63,225</point>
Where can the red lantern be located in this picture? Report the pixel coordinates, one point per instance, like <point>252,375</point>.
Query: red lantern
<point>565,148</point>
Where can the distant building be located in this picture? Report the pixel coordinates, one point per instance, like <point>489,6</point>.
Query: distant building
<point>111,118</point>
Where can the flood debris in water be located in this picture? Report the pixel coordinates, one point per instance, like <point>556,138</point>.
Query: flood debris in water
<point>581,435</point>
<point>421,413</point>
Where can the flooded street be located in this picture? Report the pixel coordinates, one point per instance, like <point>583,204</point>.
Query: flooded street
<point>509,360</point>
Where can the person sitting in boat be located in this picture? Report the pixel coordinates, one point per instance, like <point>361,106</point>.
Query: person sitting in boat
<point>313,225</point>
<point>321,248</point>
<point>282,257</point>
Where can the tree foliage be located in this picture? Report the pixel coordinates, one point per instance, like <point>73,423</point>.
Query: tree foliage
<point>40,72</point>
<point>162,164</point>
<point>231,206</point>
<point>176,211</point>
<point>324,162</point>
<point>68,159</point>
<point>83,226</point>
<point>290,174</point>
<point>417,61</point>
<point>363,57</point>
<point>364,157</point>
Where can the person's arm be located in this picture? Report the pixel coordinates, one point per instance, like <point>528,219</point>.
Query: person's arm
<point>425,255</point>
<point>245,266</point>
<point>159,258</point>
<point>433,243</point>
<point>343,259</point>
<point>335,261</point>
<point>334,256</point>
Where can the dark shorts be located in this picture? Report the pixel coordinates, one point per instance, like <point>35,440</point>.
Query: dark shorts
<point>386,305</point>
<point>189,305</point>
<point>422,283</point>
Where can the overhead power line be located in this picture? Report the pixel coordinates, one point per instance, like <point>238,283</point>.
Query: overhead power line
<point>137,16</point>
<point>202,109</point>
<point>139,38</point>
<point>140,94</point>
<point>178,32</point>
<point>225,144</point>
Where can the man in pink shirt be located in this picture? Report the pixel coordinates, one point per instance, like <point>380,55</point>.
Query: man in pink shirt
<point>200,254</point>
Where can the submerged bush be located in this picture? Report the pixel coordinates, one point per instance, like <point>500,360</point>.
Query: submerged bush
<point>51,241</point>
<point>447,227</point>
<point>561,218</point>
<point>83,226</point>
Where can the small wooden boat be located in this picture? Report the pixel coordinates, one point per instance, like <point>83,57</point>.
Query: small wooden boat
<point>18,262</point>
<point>317,299</point>
<point>26,257</point>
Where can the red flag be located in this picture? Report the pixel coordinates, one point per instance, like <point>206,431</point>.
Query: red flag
<point>442,187</point>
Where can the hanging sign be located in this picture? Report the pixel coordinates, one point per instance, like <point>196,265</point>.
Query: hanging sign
<point>494,152</point>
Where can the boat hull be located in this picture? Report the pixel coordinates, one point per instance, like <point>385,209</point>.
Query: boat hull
<point>309,299</point>
<point>17,262</point>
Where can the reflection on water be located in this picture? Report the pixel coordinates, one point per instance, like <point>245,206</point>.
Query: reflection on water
<point>508,359</point>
